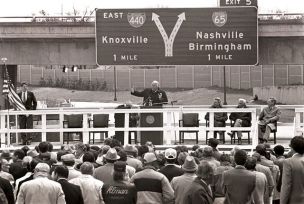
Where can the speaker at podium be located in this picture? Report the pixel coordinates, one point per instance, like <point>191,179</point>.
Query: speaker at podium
<point>151,120</point>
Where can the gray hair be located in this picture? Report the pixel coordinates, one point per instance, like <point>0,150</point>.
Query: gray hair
<point>87,168</point>
<point>155,82</point>
<point>242,100</point>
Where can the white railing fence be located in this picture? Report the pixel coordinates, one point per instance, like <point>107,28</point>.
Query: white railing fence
<point>170,128</point>
<point>171,115</point>
<point>299,121</point>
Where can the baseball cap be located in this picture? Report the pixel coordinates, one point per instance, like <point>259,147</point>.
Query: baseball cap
<point>149,157</point>
<point>170,153</point>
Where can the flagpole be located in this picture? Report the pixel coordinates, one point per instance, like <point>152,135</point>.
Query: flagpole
<point>8,123</point>
<point>7,107</point>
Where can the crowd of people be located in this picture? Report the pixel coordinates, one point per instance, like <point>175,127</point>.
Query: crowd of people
<point>140,174</point>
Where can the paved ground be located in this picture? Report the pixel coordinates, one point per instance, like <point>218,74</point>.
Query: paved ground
<point>200,96</point>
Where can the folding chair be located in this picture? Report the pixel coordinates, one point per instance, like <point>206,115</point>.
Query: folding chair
<point>188,120</point>
<point>99,121</point>
<point>234,132</point>
<point>73,121</point>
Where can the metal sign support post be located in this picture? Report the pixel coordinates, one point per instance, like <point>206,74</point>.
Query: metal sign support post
<point>115,98</point>
<point>225,101</point>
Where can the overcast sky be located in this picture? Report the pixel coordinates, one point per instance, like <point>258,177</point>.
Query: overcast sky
<point>56,7</point>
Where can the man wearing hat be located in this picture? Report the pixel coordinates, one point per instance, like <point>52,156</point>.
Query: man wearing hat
<point>240,119</point>
<point>26,121</point>
<point>69,161</point>
<point>152,186</point>
<point>120,191</point>
<point>171,170</point>
<point>104,173</point>
<point>199,190</point>
<point>41,189</point>
<point>131,157</point>
<point>181,183</point>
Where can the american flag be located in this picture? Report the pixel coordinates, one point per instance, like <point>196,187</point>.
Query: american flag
<point>9,90</point>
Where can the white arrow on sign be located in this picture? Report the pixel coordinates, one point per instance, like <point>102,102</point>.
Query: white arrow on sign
<point>168,41</point>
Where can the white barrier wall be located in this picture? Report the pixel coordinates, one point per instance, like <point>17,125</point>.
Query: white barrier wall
<point>283,94</point>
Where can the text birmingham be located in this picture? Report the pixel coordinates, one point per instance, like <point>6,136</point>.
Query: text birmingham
<point>215,46</point>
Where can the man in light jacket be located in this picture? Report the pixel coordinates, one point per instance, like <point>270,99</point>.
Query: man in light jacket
<point>293,174</point>
<point>152,186</point>
<point>41,189</point>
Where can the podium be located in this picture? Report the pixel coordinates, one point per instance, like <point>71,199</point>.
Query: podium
<point>151,120</point>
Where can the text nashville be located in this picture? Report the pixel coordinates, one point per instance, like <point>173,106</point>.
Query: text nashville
<point>125,40</point>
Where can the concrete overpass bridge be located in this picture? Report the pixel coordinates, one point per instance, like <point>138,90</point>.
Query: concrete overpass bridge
<point>49,42</point>
<point>69,41</point>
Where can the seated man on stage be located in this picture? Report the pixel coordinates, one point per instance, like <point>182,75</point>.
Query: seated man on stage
<point>153,96</point>
<point>219,117</point>
<point>240,119</point>
<point>268,119</point>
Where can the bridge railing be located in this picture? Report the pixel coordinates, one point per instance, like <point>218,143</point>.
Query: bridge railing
<point>170,128</point>
<point>299,121</point>
<point>296,17</point>
<point>171,115</point>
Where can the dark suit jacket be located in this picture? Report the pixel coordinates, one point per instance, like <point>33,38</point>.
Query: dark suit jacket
<point>8,190</point>
<point>245,117</point>
<point>198,193</point>
<point>23,181</point>
<point>171,171</point>
<point>238,185</point>
<point>293,180</point>
<point>72,192</point>
<point>31,102</point>
<point>158,97</point>
<point>17,170</point>
<point>219,118</point>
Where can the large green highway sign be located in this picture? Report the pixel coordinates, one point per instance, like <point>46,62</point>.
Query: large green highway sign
<point>179,36</point>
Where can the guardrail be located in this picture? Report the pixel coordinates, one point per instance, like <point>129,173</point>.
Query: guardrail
<point>299,121</point>
<point>54,19</point>
<point>170,128</point>
<point>171,116</point>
